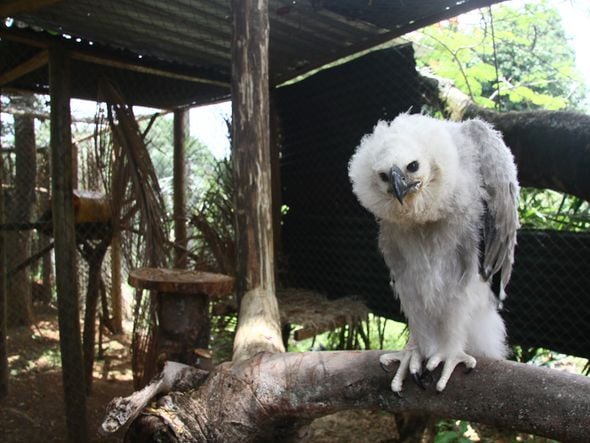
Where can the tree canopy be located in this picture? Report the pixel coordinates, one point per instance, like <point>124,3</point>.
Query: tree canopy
<point>512,56</point>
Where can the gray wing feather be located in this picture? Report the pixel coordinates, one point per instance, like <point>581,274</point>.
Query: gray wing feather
<point>500,193</point>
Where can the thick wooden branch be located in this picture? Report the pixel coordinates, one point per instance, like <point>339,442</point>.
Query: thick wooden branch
<point>551,148</point>
<point>251,399</point>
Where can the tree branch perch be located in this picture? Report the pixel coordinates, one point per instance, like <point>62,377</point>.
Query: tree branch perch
<point>250,400</point>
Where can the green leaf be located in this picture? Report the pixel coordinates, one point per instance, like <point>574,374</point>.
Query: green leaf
<point>446,437</point>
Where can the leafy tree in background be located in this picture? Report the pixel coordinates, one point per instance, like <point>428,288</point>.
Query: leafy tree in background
<point>199,159</point>
<point>516,58</point>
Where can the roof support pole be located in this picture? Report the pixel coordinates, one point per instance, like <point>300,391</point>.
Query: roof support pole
<point>181,134</point>
<point>4,371</point>
<point>65,246</point>
<point>259,323</point>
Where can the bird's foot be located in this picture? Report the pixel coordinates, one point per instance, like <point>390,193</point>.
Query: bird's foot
<point>410,360</point>
<point>449,365</point>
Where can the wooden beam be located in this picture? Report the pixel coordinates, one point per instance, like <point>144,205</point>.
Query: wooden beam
<point>105,60</point>
<point>37,61</point>
<point>15,7</point>
<point>65,246</point>
<point>259,322</point>
<point>113,63</point>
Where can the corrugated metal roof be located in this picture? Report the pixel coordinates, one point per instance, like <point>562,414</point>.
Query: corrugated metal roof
<point>194,37</point>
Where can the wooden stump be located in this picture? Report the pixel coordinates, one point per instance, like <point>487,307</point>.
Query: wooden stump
<point>183,310</point>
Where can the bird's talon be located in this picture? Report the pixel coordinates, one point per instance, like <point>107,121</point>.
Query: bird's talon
<point>427,376</point>
<point>468,370</point>
<point>418,380</point>
<point>384,367</point>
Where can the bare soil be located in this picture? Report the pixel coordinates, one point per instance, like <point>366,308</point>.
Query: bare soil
<point>34,408</point>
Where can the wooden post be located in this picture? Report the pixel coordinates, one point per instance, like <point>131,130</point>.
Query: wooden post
<point>20,302</point>
<point>3,293</point>
<point>181,132</point>
<point>65,246</point>
<point>116,295</point>
<point>259,324</point>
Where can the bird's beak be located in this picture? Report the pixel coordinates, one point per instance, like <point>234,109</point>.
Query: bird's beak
<point>400,183</point>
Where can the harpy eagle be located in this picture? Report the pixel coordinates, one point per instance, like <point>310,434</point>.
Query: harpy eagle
<point>445,197</point>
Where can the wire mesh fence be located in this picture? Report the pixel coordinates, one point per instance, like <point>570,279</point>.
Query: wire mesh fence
<point>123,184</point>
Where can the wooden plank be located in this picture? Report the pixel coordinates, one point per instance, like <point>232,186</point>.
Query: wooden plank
<point>312,331</point>
<point>259,327</point>
<point>37,61</point>
<point>181,281</point>
<point>15,7</point>
<point>181,134</point>
<point>65,246</point>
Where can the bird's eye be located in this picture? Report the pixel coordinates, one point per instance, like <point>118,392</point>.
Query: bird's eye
<point>384,177</point>
<point>413,166</point>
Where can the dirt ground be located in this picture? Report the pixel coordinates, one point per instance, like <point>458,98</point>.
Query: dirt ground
<point>34,408</point>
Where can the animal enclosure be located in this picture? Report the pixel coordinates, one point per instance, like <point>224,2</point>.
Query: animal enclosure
<point>146,192</point>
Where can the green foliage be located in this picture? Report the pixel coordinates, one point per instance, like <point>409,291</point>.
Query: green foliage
<point>451,432</point>
<point>517,57</point>
<point>213,242</point>
<point>199,160</point>
<point>379,333</point>
<point>544,209</point>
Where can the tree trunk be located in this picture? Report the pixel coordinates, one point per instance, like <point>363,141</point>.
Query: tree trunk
<point>44,240</point>
<point>65,246</point>
<point>259,324</point>
<point>251,400</point>
<point>551,148</point>
<point>20,301</point>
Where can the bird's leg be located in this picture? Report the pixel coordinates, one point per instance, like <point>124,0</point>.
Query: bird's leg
<point>410,359</point>
<point>450,362</point>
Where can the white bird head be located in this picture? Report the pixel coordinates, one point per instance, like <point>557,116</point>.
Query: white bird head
<point>407,171</point>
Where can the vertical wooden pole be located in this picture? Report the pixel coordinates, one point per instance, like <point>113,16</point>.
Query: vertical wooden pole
<point>20,302</point>
<point>259,323</point>
<point>65,246</point>
<point>3,293</point>
<point>116,294</point>
<point>181,132</point>
<point>44,240</point>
